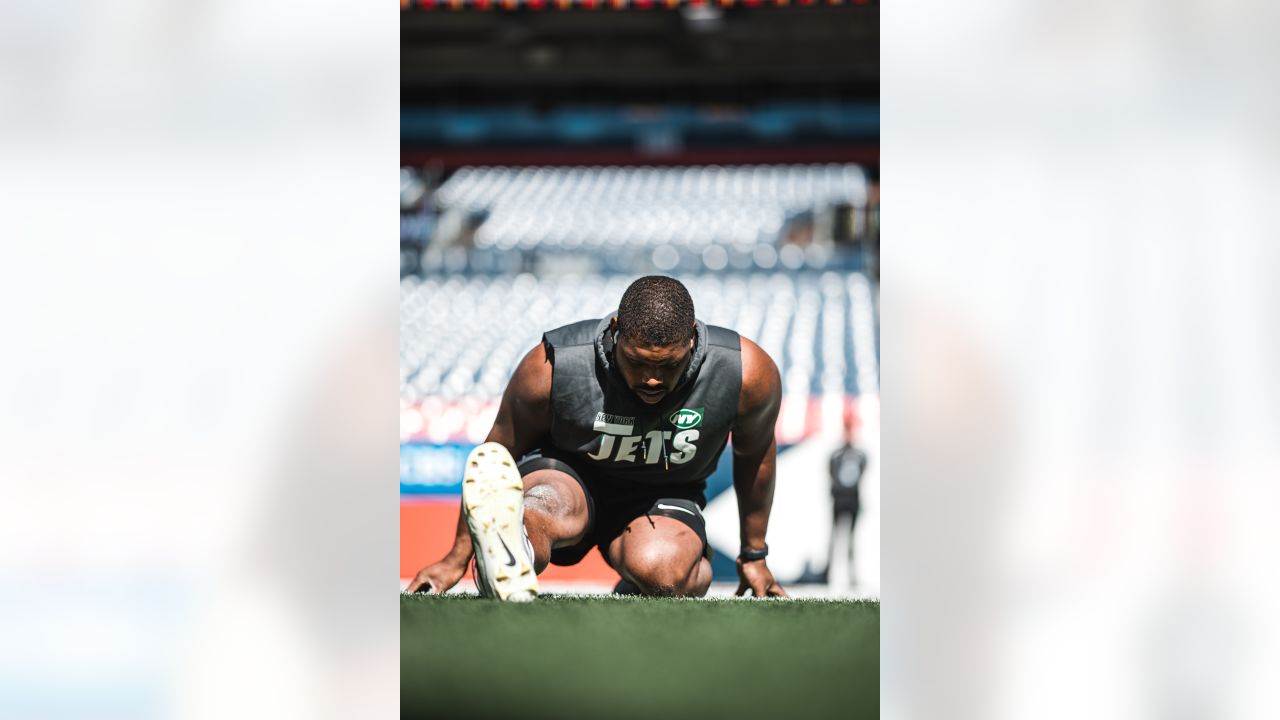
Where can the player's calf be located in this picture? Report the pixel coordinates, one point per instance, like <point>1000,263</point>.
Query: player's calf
<point>555,513</point>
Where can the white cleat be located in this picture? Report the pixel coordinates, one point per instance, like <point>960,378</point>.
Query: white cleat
<point>493,504</point>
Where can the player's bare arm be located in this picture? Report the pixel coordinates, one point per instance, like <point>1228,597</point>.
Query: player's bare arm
<point>524,416</point>
<point>755,451</point>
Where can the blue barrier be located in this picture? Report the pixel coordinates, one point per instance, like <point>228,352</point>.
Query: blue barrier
<point>436,469</point>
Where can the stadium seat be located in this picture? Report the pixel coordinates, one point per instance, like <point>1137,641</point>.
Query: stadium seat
<point>645,207</point>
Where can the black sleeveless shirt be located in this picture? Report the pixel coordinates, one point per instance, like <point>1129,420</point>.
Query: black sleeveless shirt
<point>604,431</point>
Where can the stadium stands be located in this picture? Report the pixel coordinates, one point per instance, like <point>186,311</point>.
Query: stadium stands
<point>613,207</point>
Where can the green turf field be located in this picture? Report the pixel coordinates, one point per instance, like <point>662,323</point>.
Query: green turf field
<point>628,657</point>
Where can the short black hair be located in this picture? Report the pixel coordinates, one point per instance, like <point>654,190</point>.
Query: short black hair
<point>656,310</point>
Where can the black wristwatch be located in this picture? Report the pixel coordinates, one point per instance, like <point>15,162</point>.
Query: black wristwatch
<point>747,554</point>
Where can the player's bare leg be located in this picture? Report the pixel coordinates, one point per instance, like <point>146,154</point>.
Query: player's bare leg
<point>555,513</point>
<point>661,556</point>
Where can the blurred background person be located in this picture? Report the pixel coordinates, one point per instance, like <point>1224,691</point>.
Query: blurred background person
<point>848,463</point>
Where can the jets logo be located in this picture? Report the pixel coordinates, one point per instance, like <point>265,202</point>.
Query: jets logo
<point>622,440</point>
<point>686,418</point>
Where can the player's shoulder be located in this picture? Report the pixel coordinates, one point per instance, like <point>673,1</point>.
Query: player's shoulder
<point>531,381</point>
<point>757,366</point>
<point>761,383</point>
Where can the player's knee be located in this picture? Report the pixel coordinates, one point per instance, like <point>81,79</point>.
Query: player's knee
<point>554,497</point>
<point>657,569</point>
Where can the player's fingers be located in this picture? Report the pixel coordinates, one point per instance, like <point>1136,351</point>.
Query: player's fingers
<point>775,590</point>
<point>421,583</point>
<point>743,587</point>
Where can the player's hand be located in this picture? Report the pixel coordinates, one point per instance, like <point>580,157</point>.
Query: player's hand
<point>754,575</point>
<point>439,577</point>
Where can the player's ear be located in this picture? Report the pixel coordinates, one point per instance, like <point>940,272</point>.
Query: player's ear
<point>613,324</point>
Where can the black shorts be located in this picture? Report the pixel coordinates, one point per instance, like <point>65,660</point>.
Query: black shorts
<point>611,506</point>
<point>845,503</point>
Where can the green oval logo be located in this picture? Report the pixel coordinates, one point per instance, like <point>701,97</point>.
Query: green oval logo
<point>686,418</point>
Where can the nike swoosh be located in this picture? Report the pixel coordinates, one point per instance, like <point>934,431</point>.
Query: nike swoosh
<point>510,557</point>
<point>676,507</point>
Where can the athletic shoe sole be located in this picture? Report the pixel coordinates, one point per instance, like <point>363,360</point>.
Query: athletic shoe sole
<point>493,504</point>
